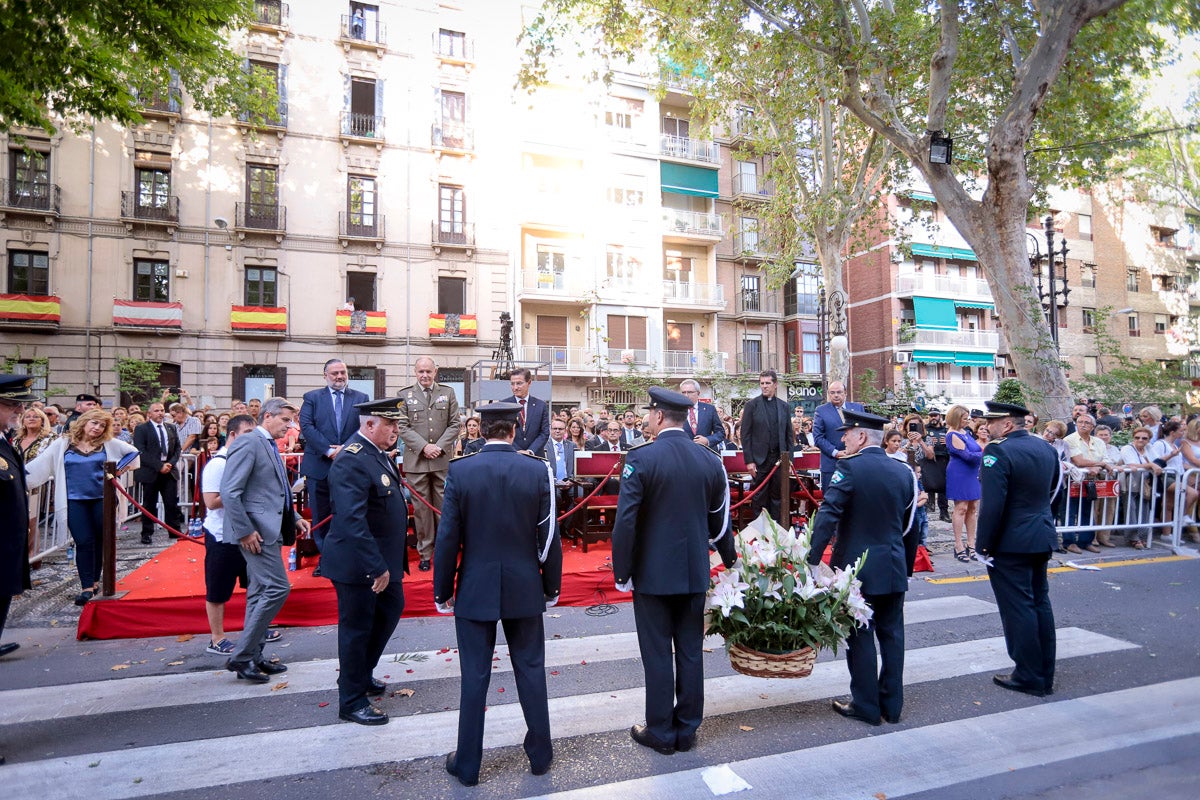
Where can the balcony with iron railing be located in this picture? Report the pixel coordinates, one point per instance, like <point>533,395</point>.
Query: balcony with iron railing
<point>954,286</point>
<point>752,363</point>
<point>690,362</point>
<point>361,32</point>
<point>982,340</point>
<point>261,216</point>
<point>453,235</point>
<point>626,356</point>
<point>751,246</point>
<point>690,295</point>
<point>33,198</point>
<point>573,359</point>
<point>168,107</point>
<point>270,15</point>
<point>691,224</point>
<point>757,304</point>
<point>358,225</point>
<point>452,136</point>
<point>749,187</point>
<point>455,51</point>
<point>152,210</point>
<point>551,285</point>
<point>275,122</point>
<point>357,125</point>
<point>686,148</point>
<point>960,391</point>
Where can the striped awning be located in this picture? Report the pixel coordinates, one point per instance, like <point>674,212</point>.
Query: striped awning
<point>258,318</point>
<point>30,308</point>
<point>937,251</point>
<point>135,313</point>
<point>453,326</point>
<point>933,357</point>
<point>975,304</point>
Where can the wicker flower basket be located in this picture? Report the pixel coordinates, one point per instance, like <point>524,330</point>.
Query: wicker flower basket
<point>796,664</point>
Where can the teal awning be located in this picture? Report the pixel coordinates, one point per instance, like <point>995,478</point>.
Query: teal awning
<point>936,251</point>
<point>974,304</point>
<point>935,314</point>
<point>924,197</point>
<point>932,357</point>
<point>975,359</point>
<point>685,179</point>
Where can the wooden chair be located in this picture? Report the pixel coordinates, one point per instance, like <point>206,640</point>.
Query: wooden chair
<point>595,518</point>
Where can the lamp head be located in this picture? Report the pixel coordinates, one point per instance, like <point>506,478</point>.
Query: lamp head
<point>221,223</point>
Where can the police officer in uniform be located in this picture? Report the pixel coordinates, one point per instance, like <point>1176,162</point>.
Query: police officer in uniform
<point>673,505</point>
<point>365,556</point>
<point>1016,535</point>
<point>14,503</point>
<point>868,506</point>
<point>498,518</point>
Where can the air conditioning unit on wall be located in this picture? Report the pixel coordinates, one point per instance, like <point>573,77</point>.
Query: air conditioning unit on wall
<point>903,357</point>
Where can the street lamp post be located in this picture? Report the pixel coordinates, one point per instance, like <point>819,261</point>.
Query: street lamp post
<point>1049,290</point>
<point>822,333</point>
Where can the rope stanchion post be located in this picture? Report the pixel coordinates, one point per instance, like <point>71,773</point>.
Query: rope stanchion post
<point>785,487</point>
<point>108,582</point>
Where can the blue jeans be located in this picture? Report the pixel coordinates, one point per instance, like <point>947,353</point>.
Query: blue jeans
<point>85,520</point>
<point>1079,512</point>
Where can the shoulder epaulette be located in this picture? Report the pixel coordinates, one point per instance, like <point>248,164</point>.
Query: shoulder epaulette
<point>464,455</point>
<point>538,458</point>
<point>643,444</point>
<point>844,456</point>
<point>353,448</point>
<point>997,441</point>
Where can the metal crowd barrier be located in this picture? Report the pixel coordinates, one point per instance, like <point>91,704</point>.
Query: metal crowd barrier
<point>1126,502</point>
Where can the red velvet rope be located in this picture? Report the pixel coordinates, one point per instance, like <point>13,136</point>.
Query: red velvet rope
<point>757,489</point>
<point>594,492</point>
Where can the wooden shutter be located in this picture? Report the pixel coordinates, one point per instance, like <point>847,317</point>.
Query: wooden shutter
<point>238,383</point>
<point>380,383</point>
<point>551,331</point>
<point>637,333</point>
<point>616,332</point>
<point>280,381</point>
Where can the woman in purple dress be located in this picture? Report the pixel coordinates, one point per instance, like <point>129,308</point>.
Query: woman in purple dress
<point>962,481</point>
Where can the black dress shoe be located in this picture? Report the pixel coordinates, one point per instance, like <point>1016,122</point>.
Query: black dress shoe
<point>5,649</point>
<point>367,715</point>
<point>452,765</point>
<point>889,719</point>
<point>848,709</point>
<point>542,770</point>
<point>425,566</point>
<point>271,668</point>
<point>1007,682</point>
<point>638,734</point>
<point>685,743</point>
<point>317,572</point>
<point>247,671</point>
<point>83,597</point>
<point>376,687</point>
<point>146,539</point>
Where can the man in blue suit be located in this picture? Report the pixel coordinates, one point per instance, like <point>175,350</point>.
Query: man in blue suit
<point>327,420</point>
<point>533,419</point>
<point>510,570</point>
<point>827,424</point>
<point>870,504</point>
<point>1020,476</point>
<point>673,507</point>
<point>366,556</point>
<point>702,425</point>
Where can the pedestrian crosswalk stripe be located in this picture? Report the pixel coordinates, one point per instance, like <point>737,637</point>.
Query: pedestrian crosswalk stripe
<point>903,763</point>
<point>132,694</point>
<point>186,765</point>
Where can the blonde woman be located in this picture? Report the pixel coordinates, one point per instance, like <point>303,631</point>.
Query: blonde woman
<point>76,463</point>
<point>962,481</point>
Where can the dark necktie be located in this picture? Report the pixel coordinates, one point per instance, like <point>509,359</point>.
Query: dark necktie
<point>521,415</point>
<point>162,440</point>
<point>337,409</point>
<point>692,419</point>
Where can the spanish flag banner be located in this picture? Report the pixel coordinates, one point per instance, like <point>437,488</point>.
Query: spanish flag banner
<point>372,323</point>
<point>445,326</point>
<point>258,318</point>
<point>30,308</point>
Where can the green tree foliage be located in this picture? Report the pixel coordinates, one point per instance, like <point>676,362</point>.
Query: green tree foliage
<point>78,60</point>
<point>139,379</point>
<point>1010,390</point>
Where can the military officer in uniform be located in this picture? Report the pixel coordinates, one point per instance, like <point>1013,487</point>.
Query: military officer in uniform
<point>14,503</point>
<point>1016,535</point>
<point>429,425</point>
<point>497,558</point>
<point>868,506</point>
<point>365,555</point>
<point>673,506</point>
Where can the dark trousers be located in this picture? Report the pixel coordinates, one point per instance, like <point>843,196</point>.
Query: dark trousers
<point>770,497</point>
<point>940,500</point>
<point>85,520</point>
<point>5,602</point>
<point>162,487</point>
<point>365,623</point>
<point>876,689</point>
<point>526,639</point>
<point>1079,512</point>
<point>1022,591</point>
<point>674,682</point>
<point>318,501</point>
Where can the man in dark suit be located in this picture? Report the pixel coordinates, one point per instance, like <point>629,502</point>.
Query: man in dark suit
<point>327,419</point>
<point>365,555</point>
<point>766,434</point>
<point>429,426</point>
<point>827,423</point>
<point>1019,478</point>
<point>631,435</point>
<point>610,440</point>
<point>15,391</point>
<point>869,505</point>
<point>673,506</point>
<point>560,453</point>
<point>703,424</point>
<point>259,515</point>
<point>510,570</point>
<point>158,444</point>
<point>533,421</point>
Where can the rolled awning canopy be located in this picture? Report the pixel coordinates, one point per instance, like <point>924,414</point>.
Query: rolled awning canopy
<point>935,314</point>
<point>933,357</point>
<point>684,179</point>
<point>975,359</point>
<point>937,251</point>
<point>975,304</point>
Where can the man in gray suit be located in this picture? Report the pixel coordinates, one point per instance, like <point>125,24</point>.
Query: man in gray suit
<point>260,517</point>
